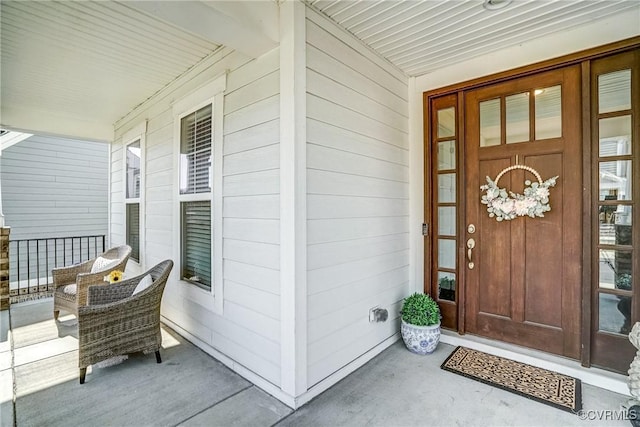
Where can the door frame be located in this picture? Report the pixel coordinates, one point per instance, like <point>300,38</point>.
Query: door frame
<point>582,58</point>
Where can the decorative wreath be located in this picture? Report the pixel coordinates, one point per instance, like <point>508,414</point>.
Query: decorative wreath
<point>505,205</point>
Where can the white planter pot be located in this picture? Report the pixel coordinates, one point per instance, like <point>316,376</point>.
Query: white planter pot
<point>420,339</point>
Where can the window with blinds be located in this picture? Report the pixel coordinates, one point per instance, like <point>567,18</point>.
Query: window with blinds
<point>196,135</point>
<point>133,157</point>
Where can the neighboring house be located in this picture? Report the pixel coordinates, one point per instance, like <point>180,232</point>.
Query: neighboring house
<point>54,187</point>
<point>290,188</point>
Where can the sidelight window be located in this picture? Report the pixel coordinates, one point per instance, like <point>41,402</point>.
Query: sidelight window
<point>615,203</point>
<point>445,176</point>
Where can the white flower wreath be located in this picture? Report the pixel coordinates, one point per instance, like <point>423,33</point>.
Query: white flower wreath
<point>505,205</point>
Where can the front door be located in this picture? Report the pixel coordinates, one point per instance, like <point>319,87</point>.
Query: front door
<point>522,273</point>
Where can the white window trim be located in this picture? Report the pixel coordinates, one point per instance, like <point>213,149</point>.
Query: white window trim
<point>212,93</point>
<point>138,132</point>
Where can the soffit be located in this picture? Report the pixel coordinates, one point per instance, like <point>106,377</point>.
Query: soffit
<point>419,37</point>
<point>92,60</point>
<point>88,63</point>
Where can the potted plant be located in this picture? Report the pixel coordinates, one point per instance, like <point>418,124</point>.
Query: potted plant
<point>420,328</point>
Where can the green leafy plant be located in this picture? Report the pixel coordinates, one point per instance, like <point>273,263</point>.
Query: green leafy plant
<point>420,310</point>
<point>623,281</point>
<point>447,283</point>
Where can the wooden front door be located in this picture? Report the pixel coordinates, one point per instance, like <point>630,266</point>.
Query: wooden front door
<point>523,275</point>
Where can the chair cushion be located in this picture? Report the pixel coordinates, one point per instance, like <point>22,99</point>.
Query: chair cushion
<point>144,283</point>
<point>102,264</point>
<point>67,293</point>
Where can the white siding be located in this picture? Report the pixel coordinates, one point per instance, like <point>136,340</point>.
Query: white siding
<point>55,187</point>
<point>248,331</point>
<point>357,197</point>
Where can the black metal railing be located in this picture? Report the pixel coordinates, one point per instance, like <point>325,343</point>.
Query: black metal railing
<point>31,262</point>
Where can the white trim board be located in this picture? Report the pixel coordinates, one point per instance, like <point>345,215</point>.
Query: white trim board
<point>272,389</point>
<point>593,376</point>
<point>347,370</point>
<point>239,369</point>
<point>293,200</point>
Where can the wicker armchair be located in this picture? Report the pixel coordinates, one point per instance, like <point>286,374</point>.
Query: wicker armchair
<point>71,283</point>
<point>116,321</point>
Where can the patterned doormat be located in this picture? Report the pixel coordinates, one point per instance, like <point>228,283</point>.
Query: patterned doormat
<point>560,391</point>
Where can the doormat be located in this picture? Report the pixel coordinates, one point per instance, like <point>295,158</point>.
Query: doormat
<point>554,389</point>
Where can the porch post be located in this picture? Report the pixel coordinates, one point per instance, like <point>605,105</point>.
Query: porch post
<point>293,196</point>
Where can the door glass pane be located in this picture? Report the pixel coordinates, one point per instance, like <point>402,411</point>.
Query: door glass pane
<point>447,188</point>
<point>615,180</point>
<point>614,91</point>
<point>615,269</point>
<point>548,108</point>
<point>517,118</point>
<point>615,224</point>
<point>615,136</point>
<point>490,123</point>
<point>446,122</point>
<point>614,313</point>
<point>447,221</point>
<point>446,155</point>
<point>446,286</point>
<point>447,253</point>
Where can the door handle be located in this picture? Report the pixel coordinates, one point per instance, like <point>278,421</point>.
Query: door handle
<point>471,243</point>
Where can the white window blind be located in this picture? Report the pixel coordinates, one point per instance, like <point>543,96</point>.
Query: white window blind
<point>195,152</point>
<point>196,242</point>
<point>133,230</point>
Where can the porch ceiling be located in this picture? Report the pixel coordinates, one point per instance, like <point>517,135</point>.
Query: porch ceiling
<point>73,68</point>
<point>422,36</point>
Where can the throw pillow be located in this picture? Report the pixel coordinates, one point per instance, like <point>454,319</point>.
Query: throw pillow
<point>102,264</point>
<point>70,289</point>
<point>143,284</point>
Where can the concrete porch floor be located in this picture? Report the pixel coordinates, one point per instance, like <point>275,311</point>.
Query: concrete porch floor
<point>39,386</point>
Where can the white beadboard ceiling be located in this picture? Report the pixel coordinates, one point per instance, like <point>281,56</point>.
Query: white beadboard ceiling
<point>422,36</point>
<point>95,60</point>
<point>75,67</point>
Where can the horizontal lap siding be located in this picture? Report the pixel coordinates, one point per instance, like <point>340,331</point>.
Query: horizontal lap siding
<point>249,329</point>
<point>55,187</point>
<point>357,197</point>
<point>251,217</point>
